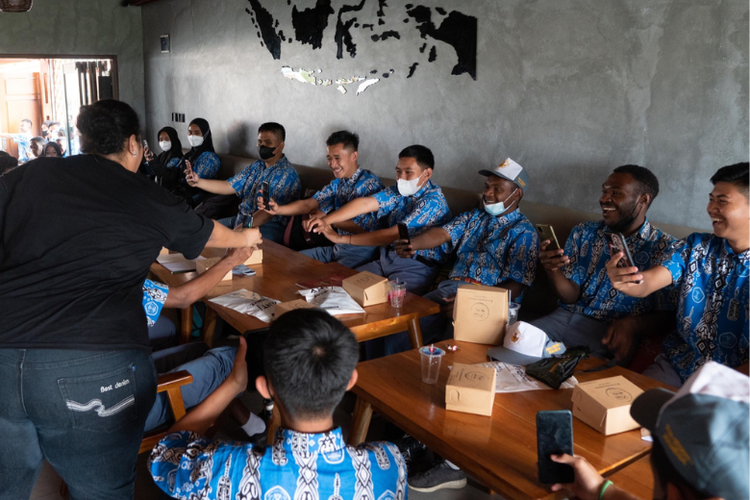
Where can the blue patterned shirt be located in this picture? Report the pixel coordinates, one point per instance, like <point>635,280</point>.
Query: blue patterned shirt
<point>492,250</point>
<point>339,192</point>
<point>712,316</point>
<point>283,183</point>
<point>589,253</point>
<point>206,166</point>
<point>174,162</point>
<point>154,297</point>
<point>419,212</point>
<point>187,465</point>
<point>23,141</point>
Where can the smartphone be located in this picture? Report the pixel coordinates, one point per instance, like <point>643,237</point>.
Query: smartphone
<point>547,232</point>
<point>266,194</point>
<point>403,232</point>
<point>616,242</point>
<point>554,436</point>
<point>145,147</point>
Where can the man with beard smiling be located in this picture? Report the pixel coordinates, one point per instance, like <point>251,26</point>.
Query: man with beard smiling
<point>592,313</point>
<point>711,273</point>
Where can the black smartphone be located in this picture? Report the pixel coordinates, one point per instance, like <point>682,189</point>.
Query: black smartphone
<point>554,436</point>
<point>145,147</point>
<point>547,232</point>
<point>266,194</point>
<point>403,232</point>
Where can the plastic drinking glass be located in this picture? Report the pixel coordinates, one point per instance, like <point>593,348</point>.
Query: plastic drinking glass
<point>431,358</point>
<point>397,292</point>
<point>513,310</point>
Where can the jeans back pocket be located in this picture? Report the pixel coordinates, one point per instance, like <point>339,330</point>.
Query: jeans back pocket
<point>103,402</point>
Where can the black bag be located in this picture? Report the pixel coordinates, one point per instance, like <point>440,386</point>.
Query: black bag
<point>296,238</point>
<point>555,371</point>
<point>219,206</point>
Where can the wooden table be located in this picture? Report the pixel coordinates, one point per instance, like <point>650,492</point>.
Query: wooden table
<point>277,276</point>
<point>499,451</point>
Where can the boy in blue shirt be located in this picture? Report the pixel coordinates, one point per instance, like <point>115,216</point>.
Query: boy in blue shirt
<point>23,140</point>
<point>415,201</point>
<point>495,245</point>
<point>310,360</point>
<point>711,274</point>
<point>350,182</point>
<point>272,167</point>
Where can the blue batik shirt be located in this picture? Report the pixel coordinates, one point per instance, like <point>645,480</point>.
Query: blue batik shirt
<point>174,163</point>
<point>492,249</point>
<point>206,166</point>
<point>589,253</point>
<point>154,297</point>
<point>712,315</point>
<point>23,141</point>
<point>283,183</point>
<point>339,192</point>
<point>425,209</point>
<point>187,465</point>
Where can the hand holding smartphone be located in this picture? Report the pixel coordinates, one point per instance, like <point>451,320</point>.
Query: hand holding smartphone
<point>403,232</point>
<point>266,193</point>
<point>547,232</point>
<point>616,242</point>
<point>554,436</point>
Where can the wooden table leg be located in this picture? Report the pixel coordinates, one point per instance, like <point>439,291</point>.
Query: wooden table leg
<point>186,324</point>
<point>209,326</point>
<point>415,334</point>
<point>360,422</point>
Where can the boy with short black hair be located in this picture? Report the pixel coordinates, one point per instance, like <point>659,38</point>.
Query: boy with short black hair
<point>310,360</point>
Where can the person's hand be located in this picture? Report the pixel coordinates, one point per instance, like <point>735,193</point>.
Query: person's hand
<point>239,255</point>
<point>272,207</point>
<point>622,278</point>
<point>552,260</point>
<point>621,338</point>
<point>314,225</point>
<point>317,213</point>
<point>190,176</point>
<point>403,249</point>
<point>333,235</point>
<point>588,482</point>
<point>238,375</point>
<point>253,237</point>
<point>447,308</point>
<point>148,154</point>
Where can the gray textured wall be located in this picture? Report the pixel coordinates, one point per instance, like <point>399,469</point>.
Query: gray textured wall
<point>569,89</point>
<point>82,27</point>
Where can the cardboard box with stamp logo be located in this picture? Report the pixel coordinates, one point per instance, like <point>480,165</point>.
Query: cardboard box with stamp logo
<point>367,288</point>
<point>605,404</point>
<point>470,389</point>
<point>480,314</point>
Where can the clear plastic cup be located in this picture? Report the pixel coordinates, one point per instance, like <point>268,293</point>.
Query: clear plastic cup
<point>397,292</point>
<point>513,310</point>
<point>431,359</point>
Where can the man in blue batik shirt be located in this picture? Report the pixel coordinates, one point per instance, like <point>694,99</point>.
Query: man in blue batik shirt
<point>591,312</point>
<point>274,168</point>
<point>414,201</point>
<point>310,360</point>
<point>22,140</point>
<point>495,245</point>
<point>350,182</point>
<point>711,274</point>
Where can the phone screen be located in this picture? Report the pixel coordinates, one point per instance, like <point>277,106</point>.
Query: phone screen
<point>403,231</point>
<point>554,436</point>
<point>266,194</point>
<point>616,243</point>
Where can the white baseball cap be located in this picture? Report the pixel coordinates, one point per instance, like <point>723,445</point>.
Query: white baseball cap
<point>524,344</point>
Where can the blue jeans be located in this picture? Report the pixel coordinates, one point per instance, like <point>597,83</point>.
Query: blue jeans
<point>346,255</point>
<point>83,411</point>
<point>573,329</point>
<point>163,334</point>
<point>208,371</point>
<point>271,230</point>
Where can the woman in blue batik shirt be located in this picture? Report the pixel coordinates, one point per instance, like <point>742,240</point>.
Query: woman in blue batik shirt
<point>201,159</point>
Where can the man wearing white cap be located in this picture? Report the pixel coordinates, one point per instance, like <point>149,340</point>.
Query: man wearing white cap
<point>592,313</point>
<point>700,434</point>
<point>495,245</point>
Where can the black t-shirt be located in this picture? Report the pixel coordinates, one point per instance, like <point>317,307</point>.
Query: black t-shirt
<point>78,237</point>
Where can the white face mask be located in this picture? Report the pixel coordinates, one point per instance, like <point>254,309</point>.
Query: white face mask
<point>495,209</point>
<point>408,188</point>
<point>195,140</point>
<point>165,145</point>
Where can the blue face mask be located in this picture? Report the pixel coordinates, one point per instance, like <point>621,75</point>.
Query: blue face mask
<point>495,209</point>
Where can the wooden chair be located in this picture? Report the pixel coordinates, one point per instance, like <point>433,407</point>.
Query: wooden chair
<point>169,383</point>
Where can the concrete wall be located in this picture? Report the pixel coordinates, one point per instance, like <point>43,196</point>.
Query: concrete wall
<point>82,27</point>
<point>569,89</point>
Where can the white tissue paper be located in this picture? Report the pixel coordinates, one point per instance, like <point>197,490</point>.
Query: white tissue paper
<point>248,302</point>
<point>332,299</point>
<point>512,378</point>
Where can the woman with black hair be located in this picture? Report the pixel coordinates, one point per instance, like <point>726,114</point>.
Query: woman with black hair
<point>167,166</point>
<point>78,237</point>
<point>52,150</point>
<point>202,158</point>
